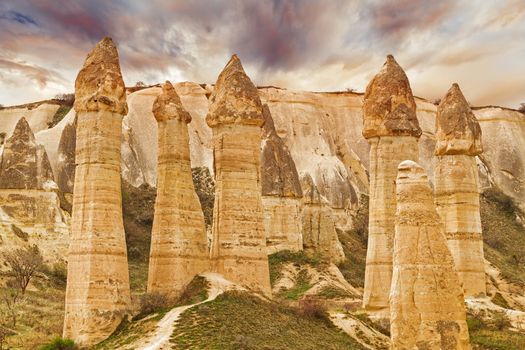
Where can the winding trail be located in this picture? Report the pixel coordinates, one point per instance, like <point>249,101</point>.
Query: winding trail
<point>159,339</point>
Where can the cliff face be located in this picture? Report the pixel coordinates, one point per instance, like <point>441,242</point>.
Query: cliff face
<point>323,132</point>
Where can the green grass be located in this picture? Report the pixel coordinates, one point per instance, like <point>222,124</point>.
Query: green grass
<point>302,285</point>
<point>40,315</point>
<point>498,299</point>
<point>238,320</point>
<point>333,292</point>
<point>503,236</point>
<point>487,336</point>
<point>279,259</point>
<point>61,112</point>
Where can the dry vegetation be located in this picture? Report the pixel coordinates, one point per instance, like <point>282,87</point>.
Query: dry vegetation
<point>222,324</point>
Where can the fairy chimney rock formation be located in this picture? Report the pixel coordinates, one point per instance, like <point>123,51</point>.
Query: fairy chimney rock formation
<point>427,310</point>
<point>391,127</point>
<point>238,237</point>
<point>458,142</point>
<point>281,190</point>
<point>319,234</point>
<point>24,163</point>
<point>97,293</point>
<point>179,248</point>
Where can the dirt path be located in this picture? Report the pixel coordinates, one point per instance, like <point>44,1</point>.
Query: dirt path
<point>159,339</point>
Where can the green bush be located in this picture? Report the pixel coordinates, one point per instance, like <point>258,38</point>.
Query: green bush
<point>60,344</point>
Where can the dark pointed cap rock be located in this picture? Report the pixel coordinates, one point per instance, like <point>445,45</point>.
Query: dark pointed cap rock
<point>279,175</point>
<point>235,100</point>
<point>457,129</point>
<point>389,108</point>
<point>99,84</point>
<point>168,106</point>
<point>24,163</point>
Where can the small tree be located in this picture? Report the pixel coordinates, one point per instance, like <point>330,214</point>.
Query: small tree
<point>24,264</point>
<point>522,108</point>
<point>140,84</point>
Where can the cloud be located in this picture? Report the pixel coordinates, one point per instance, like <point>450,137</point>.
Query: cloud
<point>304,44</point>
<point>40,75</point>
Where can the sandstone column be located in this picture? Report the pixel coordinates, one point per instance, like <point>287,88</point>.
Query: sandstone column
<point>427,310</point>
<point>179,248</point>
<point>458,142</point>
<point>239,240</point>
<point>281,191</point>
<point>390,125</point>
<point>97,294</point>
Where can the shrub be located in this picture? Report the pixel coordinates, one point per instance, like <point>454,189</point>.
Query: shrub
<point>19,233</point>
<point>60,344</point>
<point>312,308</point>
<point>500,321</point>
<point>153,302</point>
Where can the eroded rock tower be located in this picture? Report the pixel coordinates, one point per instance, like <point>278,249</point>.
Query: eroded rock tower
<point>458,142</point>
<point>391,127</point>
<point>178,238</point>
<point>97,294</point>
<point>239,241</point>
<point>427,310</point>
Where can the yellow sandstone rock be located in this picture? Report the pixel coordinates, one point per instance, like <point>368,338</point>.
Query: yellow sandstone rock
<point>281,191</point>
<point>319,234</point>
<point>458,142</point>
<point>97,294</point>
<point>179,248</point>
<point>427,310</point>
<point>392,130</point>
<point>238,238</point>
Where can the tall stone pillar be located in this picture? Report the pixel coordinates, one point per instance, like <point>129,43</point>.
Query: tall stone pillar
<point>458,142</point>
<point>390,125</point>
<point>427,310</point>
<point>97,293</point>
<point>178,238</point>
<point>239,240</point>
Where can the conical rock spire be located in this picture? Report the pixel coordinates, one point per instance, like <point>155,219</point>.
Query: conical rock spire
<point>99,84</point>
<point>168,105</point>
<point>235,98</point>
<point>457,129</point>
<point>24,163</point>
<point>427,308</point>
<point>389,108</point>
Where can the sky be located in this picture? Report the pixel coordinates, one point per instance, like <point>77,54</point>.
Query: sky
<point>314,45</point>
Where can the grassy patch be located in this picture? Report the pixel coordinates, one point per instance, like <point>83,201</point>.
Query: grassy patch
<point>279,259</point>
<point>302,285</point>
<point>126,333</point>
<point>503,236</point>
<point>494,334</point>
<point>224,324</point>
<point>381,326</point>
<point>332,292</point>
<point>498,299</point>
<point>40,315</point>
<point>61,112</point>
